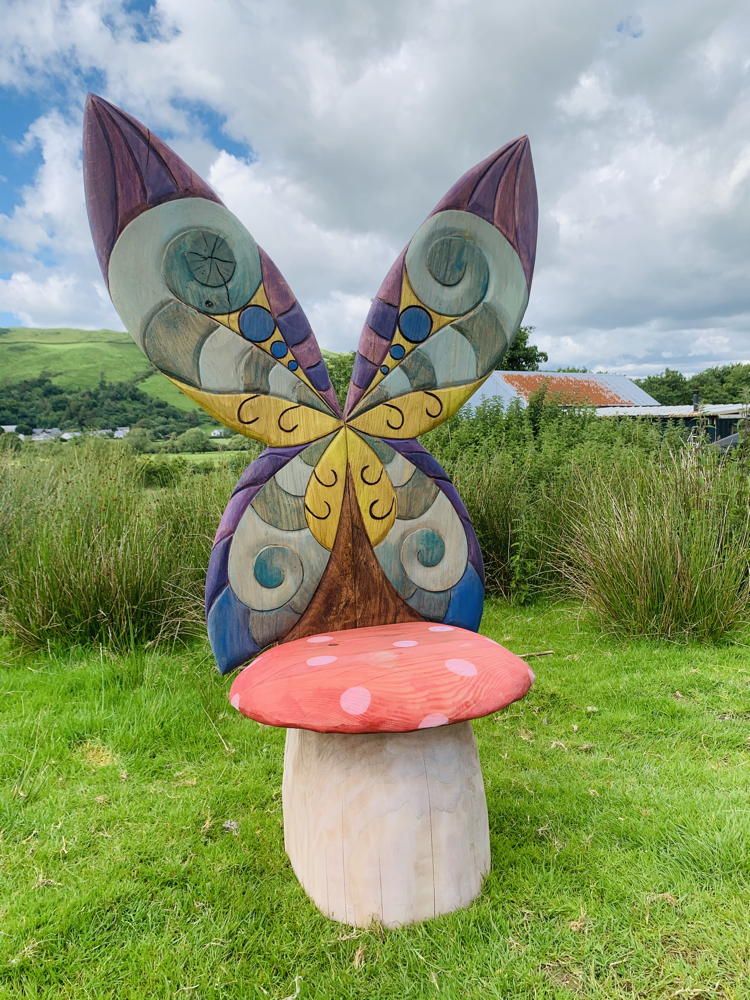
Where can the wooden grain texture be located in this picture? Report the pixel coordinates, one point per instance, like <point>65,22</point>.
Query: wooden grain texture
<point>136,280</point>
<point>381,678</point>
<point>229,364</point>
<point>415,413</point>
<point>274,421</point>
<point>283,510</point>
<point>290,569</point>
<point>377,600</point>
<point>373,489</point>
<point>353,590</point>
<point>333,605</point>
<point>294,476</point>
<point>325,491</point>
<point>386,828</point>
<point>416,496</point>
<point>173,339</point>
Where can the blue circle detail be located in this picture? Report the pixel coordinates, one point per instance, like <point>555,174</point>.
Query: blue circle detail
<point>384,369</point>
<point>279,349</point>
<point>430,547</point>
<point>415,323</point>
<point>267,570</point>
<point>293,366</point>
<point>256,324</point>
<point>397,351</point>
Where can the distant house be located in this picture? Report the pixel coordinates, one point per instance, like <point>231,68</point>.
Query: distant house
<point>9,428</point>
<point>568,388</point>
<point>45,434</point>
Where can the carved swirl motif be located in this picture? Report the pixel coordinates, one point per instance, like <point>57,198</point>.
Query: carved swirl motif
<point>447,266</point>
<point>277,575</point>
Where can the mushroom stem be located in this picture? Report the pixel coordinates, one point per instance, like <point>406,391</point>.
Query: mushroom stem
<point>386,826</point>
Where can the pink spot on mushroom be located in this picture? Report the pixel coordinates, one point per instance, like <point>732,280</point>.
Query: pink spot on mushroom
<point>355,700</point>
<point>319,661</point>
<point>441,628</point>
<point>532,675</point>
<point>433,719</point>
<point>234,701</point>
<point>320,638</point>
<point>406,642</point>
<point>463,667</point>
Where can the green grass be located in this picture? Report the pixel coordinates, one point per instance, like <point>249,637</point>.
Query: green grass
<point>77,359</point>
<point>617,796</point>
<point>74,358</point>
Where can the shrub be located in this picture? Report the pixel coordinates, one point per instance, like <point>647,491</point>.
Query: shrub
<point>662,549</point>
<point>88,555</point>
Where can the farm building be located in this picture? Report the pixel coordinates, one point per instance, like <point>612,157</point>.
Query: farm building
<point>611,395</point>
<point>571,388</point>
<point>719,419</point>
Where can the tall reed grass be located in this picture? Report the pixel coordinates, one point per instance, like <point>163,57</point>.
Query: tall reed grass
<point>89,554</point>
<point>100,545</point>
<point>663,549</point>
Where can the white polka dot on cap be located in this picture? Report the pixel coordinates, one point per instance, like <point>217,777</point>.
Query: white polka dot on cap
<point>319,661</point>
<point>405,642</point>
<point>463,667</point>
<point>355,700</point>
<point>441,628</point>
<point>433,719</point>
<point>320,638</point>
<point>234,701</point>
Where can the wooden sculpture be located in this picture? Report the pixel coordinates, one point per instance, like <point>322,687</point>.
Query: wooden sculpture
<point>345,570</point>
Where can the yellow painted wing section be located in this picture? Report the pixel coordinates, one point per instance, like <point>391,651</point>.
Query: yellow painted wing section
<point>325,492</point>
<point>414,413</point>
<point>274,421</point>
<point>376,497</point>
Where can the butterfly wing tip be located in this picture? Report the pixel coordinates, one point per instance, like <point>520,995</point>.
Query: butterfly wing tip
<point>126,171</point>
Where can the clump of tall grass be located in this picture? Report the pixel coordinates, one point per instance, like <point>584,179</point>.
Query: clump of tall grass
<point>661,549</point>
<point>88,554</point>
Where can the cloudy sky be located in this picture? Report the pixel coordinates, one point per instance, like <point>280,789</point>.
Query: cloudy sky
<point>332,127</point>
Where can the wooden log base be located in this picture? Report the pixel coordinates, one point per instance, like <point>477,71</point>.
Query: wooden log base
<point>388,827</point>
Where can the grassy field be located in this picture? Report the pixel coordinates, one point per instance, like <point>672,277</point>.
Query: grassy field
<point>77,359</point>
<point>141,835</point>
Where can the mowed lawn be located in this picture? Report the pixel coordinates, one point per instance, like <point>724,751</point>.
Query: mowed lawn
<point>142,854</point>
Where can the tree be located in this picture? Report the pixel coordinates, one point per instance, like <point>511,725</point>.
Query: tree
<point>340,369</point>
<point>522,356</point>
<point>140,440</point>
<point>194,440</point>
<point>671,388</point>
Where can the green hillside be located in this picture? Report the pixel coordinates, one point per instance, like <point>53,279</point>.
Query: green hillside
<point>77,359</point>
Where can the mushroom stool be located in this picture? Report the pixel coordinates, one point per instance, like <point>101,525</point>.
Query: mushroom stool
<point>384,809</point>
<point>345,575</point>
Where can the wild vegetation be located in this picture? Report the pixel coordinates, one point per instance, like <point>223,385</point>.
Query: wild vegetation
<point>40,402</point>
<point>651,533</point>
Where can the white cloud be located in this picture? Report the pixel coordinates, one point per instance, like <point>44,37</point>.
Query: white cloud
<point>362,115</point>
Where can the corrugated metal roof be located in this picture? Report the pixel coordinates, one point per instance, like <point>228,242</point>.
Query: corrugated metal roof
<point>581,388</point>
<point>677,412</point>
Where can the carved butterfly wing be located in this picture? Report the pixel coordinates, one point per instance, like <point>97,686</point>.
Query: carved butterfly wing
<point>265,564</point>
<point>448,309</point>
<point>213,314</point>
<point>203,301</point>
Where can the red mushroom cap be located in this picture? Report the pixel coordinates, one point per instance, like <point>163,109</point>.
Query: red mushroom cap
<point>381,679</point>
